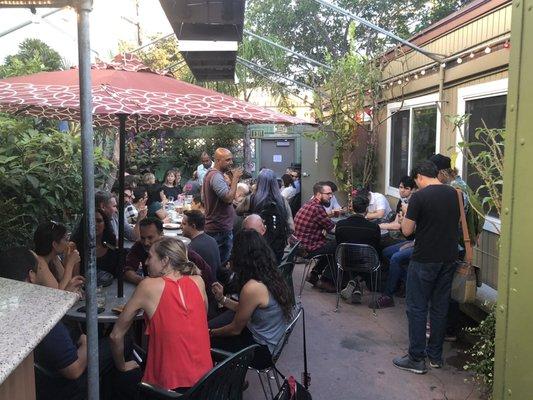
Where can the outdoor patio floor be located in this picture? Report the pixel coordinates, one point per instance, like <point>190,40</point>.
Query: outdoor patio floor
<point>350,355</point>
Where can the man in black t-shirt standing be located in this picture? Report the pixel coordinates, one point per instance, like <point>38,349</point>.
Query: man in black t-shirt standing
<point>434,211</point>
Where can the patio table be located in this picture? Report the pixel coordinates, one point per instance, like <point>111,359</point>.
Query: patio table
<point>112,301</point>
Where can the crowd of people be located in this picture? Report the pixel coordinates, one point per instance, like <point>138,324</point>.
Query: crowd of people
<point>224,289</point>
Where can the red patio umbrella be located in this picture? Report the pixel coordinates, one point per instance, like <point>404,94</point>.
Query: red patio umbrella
<point>129,95</point>
<point>127,87</point>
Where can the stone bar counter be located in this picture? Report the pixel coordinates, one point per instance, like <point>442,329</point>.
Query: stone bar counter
<point>27,313</point>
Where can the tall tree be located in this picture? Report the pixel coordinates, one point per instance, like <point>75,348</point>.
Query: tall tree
<point>33,56</point>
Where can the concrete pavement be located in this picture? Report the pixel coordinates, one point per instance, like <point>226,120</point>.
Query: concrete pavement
<point>350,355</point>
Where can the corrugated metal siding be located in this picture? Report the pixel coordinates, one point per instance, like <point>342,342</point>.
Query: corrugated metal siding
<point>486,257</point>
<point>486,28</point>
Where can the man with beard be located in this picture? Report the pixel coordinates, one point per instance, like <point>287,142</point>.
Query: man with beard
<point>218,198</point>
<point>311,222</point>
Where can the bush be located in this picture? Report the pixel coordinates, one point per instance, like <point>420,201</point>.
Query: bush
<point>40,177</point>
<point>482,352</point>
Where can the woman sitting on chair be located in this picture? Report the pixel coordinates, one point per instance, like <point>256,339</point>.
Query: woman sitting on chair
<point>265,306</point>
<point>52,241</point>
<point>175,308</point>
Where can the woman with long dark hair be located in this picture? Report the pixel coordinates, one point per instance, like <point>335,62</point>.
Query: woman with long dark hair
<point>265,305</point>
<point>51,241</point>
<point>268,202</point>
<point>107,255</point>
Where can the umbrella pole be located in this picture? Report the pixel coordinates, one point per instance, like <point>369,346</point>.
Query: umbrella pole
<point>121,171</point>
<point>84,55</point>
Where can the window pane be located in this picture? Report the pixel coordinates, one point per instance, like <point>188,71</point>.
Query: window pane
<point>399,151</point>
<point>489,111</point>
<point>424,134</point>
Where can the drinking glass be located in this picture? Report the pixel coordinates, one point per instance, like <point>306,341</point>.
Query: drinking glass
<point>100,297</point>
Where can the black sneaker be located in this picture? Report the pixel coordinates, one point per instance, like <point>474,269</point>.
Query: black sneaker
<point>405,363</point>
<point>382,302</point>
<point>435,364</point>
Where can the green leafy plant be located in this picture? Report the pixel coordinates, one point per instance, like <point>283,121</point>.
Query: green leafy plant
<point>485,156</point>
<point>350,92</point>
<point>40,176</point>
<point>181,148</point>
<point>482,353</point>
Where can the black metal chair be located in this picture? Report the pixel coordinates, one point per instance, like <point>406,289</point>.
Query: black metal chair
<point>291,255</point>
<point>351,257</point>
<point>310,263</point>
<point>272,372</point>
<point>224,382</point>
<point>286,269</point>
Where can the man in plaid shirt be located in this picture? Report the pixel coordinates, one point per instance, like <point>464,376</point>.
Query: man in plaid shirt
<point>311,223</point>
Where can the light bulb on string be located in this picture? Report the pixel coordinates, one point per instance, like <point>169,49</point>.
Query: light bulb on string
<point>416,76</point>
<point>423,72</point>
<point>459,60</point>
<point>487,50</point>
<point>472,55</point>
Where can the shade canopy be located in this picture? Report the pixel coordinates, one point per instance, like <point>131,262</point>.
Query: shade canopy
<point>204,20</point>
<point>125,86</point>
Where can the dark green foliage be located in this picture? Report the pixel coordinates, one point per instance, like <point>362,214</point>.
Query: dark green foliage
<point>40,177</point>
<point>33,56</point>
<point>158,151</point>
<point>482,353</point>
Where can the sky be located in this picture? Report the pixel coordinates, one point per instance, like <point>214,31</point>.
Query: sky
<point>108,25</point>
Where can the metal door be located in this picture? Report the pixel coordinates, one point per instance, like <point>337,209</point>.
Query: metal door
<point>277,155</point>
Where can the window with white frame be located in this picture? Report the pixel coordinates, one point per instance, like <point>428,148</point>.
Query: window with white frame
<point>412,137</point>
<point>486,104</point>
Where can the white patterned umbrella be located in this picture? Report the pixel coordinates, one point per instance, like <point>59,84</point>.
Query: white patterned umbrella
<point>127,87</point>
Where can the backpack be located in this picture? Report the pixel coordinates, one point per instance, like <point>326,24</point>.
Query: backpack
<point>276,225</point>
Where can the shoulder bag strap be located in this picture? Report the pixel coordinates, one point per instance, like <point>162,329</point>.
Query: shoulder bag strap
<point>466,236</point>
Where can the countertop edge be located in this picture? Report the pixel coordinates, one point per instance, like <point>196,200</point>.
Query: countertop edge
<point>69,299</point>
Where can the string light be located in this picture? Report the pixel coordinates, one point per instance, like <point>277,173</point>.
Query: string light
<point>399,82</point>
<point>443,65</point>
<point>423,72</point>
<point>459,60</point>
<point>406,79</point>
<point>416,76</point>
<point>472,55</point>
<point>487,50</point>
<point>506,45</point>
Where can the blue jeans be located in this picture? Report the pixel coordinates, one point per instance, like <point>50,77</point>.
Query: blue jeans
<point>428,283</point>
<point>225,243</point>
<point>398,260</point>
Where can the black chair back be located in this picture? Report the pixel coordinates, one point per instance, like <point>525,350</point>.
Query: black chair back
<point>286,269</point>
<point>357,258</point>
<point>224,382</point>
<point>298,310</point>
<point>291,255</point>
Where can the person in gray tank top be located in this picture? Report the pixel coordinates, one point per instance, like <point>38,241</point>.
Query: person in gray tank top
<point>265,305</point>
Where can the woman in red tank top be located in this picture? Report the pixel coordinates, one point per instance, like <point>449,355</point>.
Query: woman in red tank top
<point>175,308</point>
